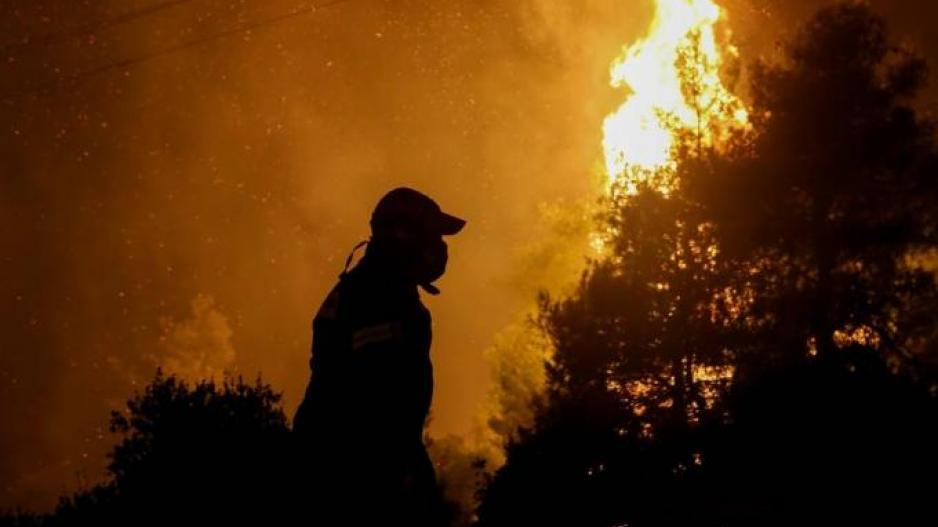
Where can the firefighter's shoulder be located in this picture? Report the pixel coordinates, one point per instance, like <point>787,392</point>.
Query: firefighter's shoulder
<point>329,310</point>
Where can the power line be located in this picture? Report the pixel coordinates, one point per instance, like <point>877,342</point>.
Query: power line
<point>76,79</point>
<point>92,27</point>
<point>210,38</point>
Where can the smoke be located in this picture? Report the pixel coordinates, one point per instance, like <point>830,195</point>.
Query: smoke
<point>520,350</point>
<point>198,347</point>
<point>243,169</point>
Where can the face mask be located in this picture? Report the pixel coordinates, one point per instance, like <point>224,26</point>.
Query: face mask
<point>432,264</point>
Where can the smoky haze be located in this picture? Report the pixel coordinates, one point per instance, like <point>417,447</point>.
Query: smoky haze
<point>191,210</point>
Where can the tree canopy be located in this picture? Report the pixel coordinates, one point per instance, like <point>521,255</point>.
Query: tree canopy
<point>755,345</point>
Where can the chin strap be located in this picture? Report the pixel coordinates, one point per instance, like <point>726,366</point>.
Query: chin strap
<point>426,286</point>
<point>430,288</point>
<point>351,256</point>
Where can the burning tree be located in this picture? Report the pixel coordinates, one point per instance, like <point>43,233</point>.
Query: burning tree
<point>836,193</point>
<point>644,349</point>
<point>740,339</point>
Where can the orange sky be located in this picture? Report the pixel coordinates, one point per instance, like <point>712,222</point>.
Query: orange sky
<point>193,209</point>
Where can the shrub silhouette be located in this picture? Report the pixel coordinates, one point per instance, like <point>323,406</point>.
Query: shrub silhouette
<point>840,439</point>
<point>189,454</point>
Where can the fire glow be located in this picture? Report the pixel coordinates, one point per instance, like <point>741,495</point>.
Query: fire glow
<point>639,138</point>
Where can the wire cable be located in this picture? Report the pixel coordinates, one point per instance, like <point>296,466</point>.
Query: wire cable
<point>76,79</point>
<point>92,27</point>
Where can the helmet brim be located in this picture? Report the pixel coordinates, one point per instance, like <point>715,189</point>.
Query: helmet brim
<point>447,225</point>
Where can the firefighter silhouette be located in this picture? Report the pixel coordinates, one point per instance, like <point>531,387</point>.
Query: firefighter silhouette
<point>360,425</point>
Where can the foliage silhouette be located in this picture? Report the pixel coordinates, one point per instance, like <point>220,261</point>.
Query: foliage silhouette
<point>197,454</point>
<point>203,453</point>
<point>840,439</point>
<point>835,192</point>
<point>640,361</point>
<point>754,348</point>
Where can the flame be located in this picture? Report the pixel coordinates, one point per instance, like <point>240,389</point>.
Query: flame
<point>638,139</point>
<point>673,76</point>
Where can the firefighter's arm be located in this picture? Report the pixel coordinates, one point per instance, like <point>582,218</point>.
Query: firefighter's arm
<point>387,364</point>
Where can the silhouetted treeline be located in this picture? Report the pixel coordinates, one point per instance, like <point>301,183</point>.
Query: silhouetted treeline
<point>757,347</point>
<point>196,454</point>
<point>201,454</point>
